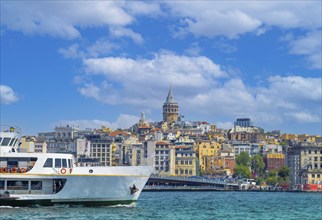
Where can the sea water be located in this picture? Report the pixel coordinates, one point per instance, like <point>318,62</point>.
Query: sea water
<point>187,205</point>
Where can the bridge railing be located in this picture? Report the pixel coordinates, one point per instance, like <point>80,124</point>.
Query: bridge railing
<point>189,179</point>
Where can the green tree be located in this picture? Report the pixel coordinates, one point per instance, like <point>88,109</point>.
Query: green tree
<point>243,159</point>
<point>272,180</point>
<point>259,180</point>
<point>257,164</point>
<point>284,173</point>
<point>242,171</point>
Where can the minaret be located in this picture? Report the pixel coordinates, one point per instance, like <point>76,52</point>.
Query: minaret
<point>170,108</point>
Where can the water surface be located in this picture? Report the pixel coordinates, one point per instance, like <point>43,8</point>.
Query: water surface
<point>187,205</point>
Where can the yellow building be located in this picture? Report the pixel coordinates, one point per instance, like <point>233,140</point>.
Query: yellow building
<point>182,161</point>
<point>207,149</point>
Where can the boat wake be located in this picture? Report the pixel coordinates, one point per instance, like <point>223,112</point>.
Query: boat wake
<point>8,207</point>
<point>132,205</point>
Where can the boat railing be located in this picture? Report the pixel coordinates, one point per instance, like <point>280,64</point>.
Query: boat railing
<point>10,128</point>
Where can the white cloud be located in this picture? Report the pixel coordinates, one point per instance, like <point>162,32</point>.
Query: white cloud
<point>305,117</point>
<point>201,87</point>
<point>214,23</point>
<point>231,18</point>
<point>8,96</point>
<point>143,80</point>
<point>99,48</point>
<point>224,125</point>
<point>126,32</point>
<point>124,121</point>
<point>66,18</point>
<point>309,45</point>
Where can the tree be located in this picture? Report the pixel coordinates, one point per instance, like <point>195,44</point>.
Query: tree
<point>243,159</point>
<point>242,171</point>
<point>257,164</point>
<point>284,173</point>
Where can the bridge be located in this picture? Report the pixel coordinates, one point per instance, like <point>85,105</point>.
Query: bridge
<point>160,182</point>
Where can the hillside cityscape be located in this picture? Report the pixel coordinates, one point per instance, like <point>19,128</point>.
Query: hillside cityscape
<point>181,148</point>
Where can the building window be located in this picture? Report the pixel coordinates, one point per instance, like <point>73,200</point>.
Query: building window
<point>313,175</point>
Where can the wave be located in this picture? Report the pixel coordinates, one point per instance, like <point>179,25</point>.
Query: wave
<point>132,205</point>
<point>8,207</point>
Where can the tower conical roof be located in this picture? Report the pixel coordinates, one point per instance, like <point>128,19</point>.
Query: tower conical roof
<point>170,98</point>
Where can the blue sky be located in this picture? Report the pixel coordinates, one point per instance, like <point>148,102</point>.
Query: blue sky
<point>104,62</point>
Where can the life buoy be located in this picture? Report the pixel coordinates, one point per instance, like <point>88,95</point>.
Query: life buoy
<point>70,170</point>
<point>13,170</point>
<point>23,170</point>
<point>3,170</point>
<point>63,171</point>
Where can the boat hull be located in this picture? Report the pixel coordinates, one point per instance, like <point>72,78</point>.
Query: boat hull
<point>101,186</point>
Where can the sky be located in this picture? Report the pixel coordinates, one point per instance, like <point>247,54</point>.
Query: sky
<point>99,63</point>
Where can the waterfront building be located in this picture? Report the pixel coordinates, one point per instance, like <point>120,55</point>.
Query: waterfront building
<point>207,149</point>
<point>274,161</point>
<point>305,163</point>
<point>40,147</point>
<point>183,161</point>
<point>170,108</point>
<point>27,144</point>
<point>162,157</point>
<point>63,139</point>
<point>101,148</point>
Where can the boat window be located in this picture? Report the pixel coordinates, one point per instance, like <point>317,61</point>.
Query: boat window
<point>64,162</point>
<point>5,141</point>
<point>11,142</point>
<point>49,162</point>
<point>36,185</point>
<point>57,163</point>
<point>17,185</point>
<point>15,142</point>
<point>0,139</point>
<point>70,163</point>
<point>1,184</point>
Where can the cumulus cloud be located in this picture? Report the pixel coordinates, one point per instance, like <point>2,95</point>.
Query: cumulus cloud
<point>8,96</point>
<point>201,87</point>
<point>126,32</point>
<point>65,19</point>
<point>225,125</point>
<point>100,48</point>
<point>231,18</point>
<point>309,45</point>
<point>140,81</point>
<point>124,121</point>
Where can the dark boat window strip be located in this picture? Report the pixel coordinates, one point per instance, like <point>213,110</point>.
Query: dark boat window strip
<point>11,142</point>
<point>49,162</point>
<point>64,162</point>
<point>57,163</point>
<point>5,141</point>
<point>15,142</point>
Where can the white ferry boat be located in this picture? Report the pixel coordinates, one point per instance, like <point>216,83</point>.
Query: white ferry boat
<point>48,179</point>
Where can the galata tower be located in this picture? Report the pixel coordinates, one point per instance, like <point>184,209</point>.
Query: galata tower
<point>170,108</point>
